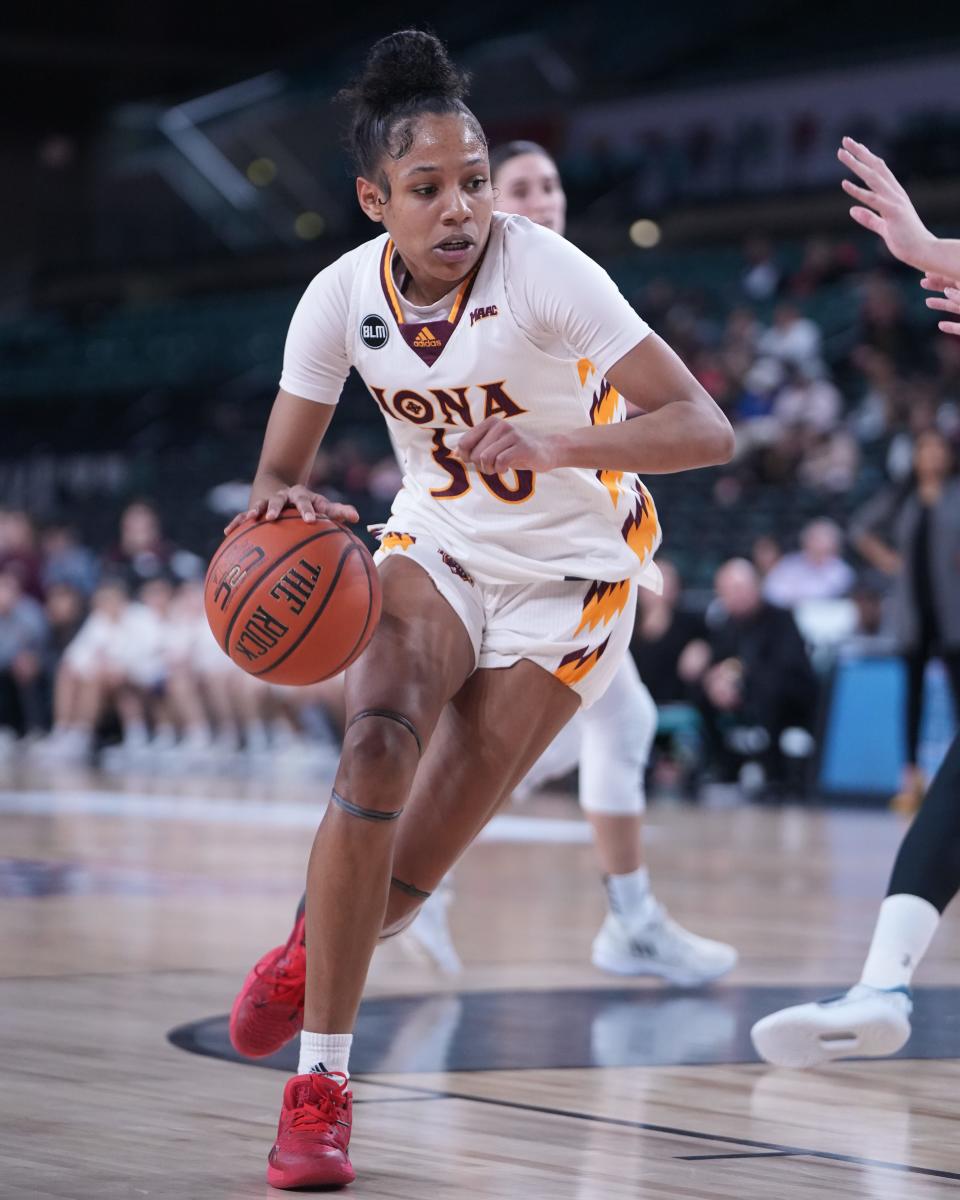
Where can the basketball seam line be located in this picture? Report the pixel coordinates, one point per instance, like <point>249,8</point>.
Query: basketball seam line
<point>263,575</point>
<point>347,551</point>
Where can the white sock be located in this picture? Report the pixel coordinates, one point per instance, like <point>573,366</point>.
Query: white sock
<point>322,1053</point>
<point>900,940</point>
<point>627,895</point>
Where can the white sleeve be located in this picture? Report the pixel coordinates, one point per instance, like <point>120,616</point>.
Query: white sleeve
<point>315,361</point>
<point>564,301</point>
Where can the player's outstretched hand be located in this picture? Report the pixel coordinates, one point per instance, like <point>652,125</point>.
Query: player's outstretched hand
<point>948,302</point>
<point>310,505</point>
<point>496,445</point>
<point>885,208</point>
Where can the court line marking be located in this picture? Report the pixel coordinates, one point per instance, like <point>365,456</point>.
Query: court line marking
<point>647,1127</point>
<point>505,827</point>
<point>741,1154</point>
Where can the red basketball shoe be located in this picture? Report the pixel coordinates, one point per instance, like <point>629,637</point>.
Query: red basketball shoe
<point>314,1133</point>
<point>268,1010</point>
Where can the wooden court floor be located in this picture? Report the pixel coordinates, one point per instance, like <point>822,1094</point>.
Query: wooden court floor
<point>131,907</point>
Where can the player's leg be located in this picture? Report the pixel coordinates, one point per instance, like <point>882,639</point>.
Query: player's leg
<point>637,937</point>
<point>418,658</point>
<point>555,645</point>
<point>912,781</point>
<point>419,655</point>
<point>431,931</point>
<point>478,750</point>
<point>873,1018</point>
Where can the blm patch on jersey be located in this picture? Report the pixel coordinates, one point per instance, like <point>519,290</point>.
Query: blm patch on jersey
<point>374,332</point>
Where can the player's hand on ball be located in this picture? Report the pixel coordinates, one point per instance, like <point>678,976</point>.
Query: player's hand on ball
<point>887,209</point>
<point>497,445</point>
<point>310,505</point>
<point>948,302</point>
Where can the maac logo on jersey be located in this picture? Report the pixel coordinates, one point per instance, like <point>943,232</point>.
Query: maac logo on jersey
<point>374,332</point>
<point>480,314</point>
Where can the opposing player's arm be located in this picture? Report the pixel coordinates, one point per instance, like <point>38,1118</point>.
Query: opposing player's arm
<point>294,432</point>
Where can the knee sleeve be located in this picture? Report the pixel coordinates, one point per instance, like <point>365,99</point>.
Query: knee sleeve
<point>618,732</point>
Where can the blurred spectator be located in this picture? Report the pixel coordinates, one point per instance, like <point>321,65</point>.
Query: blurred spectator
<point>66,609</point>
<point>742,331</point>
<point>18,550</point>
<point>830,463</point>
<point>912,534</point>
<point>96,675</point>
<point>761,279</point>
<point>765,553</point>
<point>815,572</point>
<point>883,324</point>
<point>143,552</point>
<point>808,400</point>
<point>921,415</point>
<point>793,338</point>
<point>23,638</point>
<point>761,384</point>
<point>661,634</point>
<point>868,595</point>
<point>824,262</point>
<point>877,409</point>
<point>755,680</point>
<point>67,561</point>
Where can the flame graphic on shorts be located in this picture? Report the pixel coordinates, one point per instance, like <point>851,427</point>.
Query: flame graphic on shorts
<point>602,603</point>
<point>397,541</point>
<point>578,664</point>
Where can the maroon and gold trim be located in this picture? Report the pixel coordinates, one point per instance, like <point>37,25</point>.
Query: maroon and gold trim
<point>577,665</point>
<point>427,339</point>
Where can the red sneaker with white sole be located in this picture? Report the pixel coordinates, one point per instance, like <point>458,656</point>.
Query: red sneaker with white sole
<point>268,1010</point>
<point>314,1134</point>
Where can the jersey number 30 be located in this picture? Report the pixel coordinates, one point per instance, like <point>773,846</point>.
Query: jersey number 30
<point>459,483</point>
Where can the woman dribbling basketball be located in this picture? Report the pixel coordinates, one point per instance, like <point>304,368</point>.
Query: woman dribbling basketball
<point>511,557</point>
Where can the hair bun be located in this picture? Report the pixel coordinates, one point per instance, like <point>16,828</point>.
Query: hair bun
<point>406,66</point>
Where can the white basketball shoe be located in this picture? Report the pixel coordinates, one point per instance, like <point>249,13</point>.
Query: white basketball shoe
<point>865,1021</point>
<point>654,944</point>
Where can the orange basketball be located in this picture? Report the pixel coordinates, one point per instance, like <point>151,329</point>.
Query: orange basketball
<point>290,602</point>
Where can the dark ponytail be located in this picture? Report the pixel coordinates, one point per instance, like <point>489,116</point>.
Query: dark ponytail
<point>406,75</point>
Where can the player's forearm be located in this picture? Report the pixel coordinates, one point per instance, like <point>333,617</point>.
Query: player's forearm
<point>940,256</point>
<point>677,437</point>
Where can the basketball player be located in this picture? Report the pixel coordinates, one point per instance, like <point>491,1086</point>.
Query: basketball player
<point>610,741</point>
<point>873,1017</point>
<point>511,557</point>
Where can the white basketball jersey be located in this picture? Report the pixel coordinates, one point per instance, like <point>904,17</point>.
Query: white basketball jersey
<point>435,379</point>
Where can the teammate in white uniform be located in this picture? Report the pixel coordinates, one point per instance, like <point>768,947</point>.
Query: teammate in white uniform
<point>511,556</point>
<point>610,741</point>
